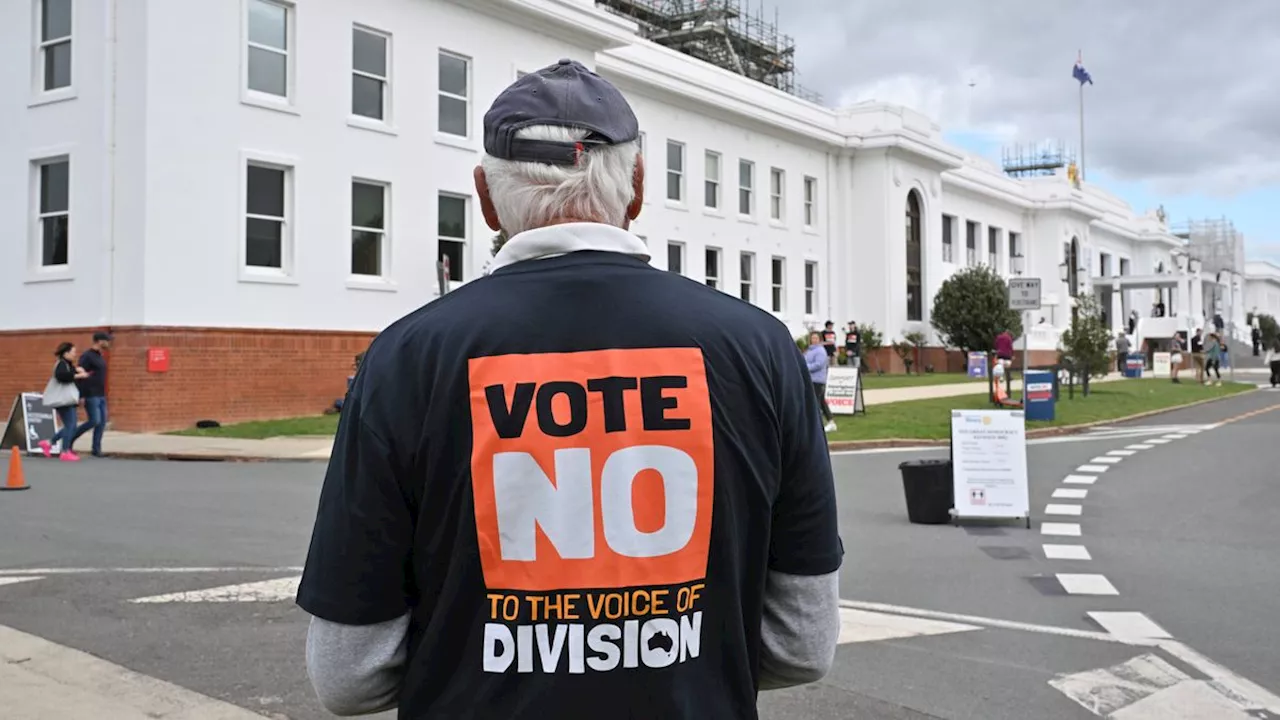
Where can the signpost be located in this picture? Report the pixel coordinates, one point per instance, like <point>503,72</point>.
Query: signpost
<point>1024,296</point>
<point>989,464</point>
<point>844,391</point>
<point>29,423</point>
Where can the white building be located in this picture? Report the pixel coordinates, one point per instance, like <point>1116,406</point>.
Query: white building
<point>1262,287</point>
<point>259,186</point>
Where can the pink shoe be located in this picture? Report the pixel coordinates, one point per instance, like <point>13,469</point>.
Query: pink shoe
<point>45,448</point>
<point>68,456</point>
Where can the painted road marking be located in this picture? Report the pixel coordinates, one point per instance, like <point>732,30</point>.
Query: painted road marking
<point>1159,441</point>
<point>1106,690</point>
<point>1071,493</point>
<point>1085,584</point>
<point>1175,437</point>
<point>16,580</point>
<point>1140,446</point>
<point>1092,469</point>
<point>1104,460</point>
<point>145,570</point>
<point>1123,453</point>
<point>1251,696</point>
<point>1063,529</point>
<point>277,590</point>
<point>1066,552</point>
<point>863,626</point>
<point>1062,509</point>
<point>40,679</point>
<point>1129,625</point>
<point>1187,699</point>
<point>1080,479</point>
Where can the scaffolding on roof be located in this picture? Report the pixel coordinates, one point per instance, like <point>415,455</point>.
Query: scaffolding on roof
<point>724,33</point>
<point>1039,159</point>
<point>1215,243</point>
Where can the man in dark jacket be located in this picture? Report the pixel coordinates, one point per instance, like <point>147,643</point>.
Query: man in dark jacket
<point>93,389</point>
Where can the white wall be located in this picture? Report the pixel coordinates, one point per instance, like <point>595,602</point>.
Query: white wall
<point>37,125</point>
<point>200,131</point>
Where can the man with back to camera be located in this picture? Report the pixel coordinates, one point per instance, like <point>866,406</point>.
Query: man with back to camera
<point>558,491</point>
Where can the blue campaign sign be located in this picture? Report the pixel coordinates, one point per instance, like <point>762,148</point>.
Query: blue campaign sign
<point>977,365</point>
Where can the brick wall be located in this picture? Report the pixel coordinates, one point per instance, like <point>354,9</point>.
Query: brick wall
<point>228,375</point>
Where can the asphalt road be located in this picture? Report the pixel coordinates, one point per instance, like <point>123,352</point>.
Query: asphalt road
<point>1182,531</point>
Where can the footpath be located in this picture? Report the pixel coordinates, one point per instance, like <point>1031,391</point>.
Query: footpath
<point>199,448</point>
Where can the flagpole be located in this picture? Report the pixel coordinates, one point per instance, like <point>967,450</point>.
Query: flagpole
<point>1081,132</point>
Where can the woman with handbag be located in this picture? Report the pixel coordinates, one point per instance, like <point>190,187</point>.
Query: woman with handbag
<point>63,396</point>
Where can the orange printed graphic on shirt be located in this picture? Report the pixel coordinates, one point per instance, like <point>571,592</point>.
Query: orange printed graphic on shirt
<point>592,469</point>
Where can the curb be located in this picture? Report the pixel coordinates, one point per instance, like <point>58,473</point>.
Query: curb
<point>1031,434</point>
<point>202,457</point>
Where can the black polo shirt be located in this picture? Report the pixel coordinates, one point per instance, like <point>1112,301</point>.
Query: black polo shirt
<point>575,474</point>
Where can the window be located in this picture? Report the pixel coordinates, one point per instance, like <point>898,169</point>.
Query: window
<point>777,182</point>
<point>915,301</point>
<point>993,248</point>
<point>746,186</point>
<point>1015,241</point>
<point>1104,264</point>
<point>53,217</point>
<point>55,44</point>
<point>810,202</point>
<point>452,233</point>
<point>746,272</point>
<point>267,221</point>
<point>971,243</point>
<point>712,259</point>
<point>455,81</point>
<point>712,182</point>
<point>777,277</point>
<point>675,258</point>
<point>675,171</point>
<point>369,74</point>
<point>810,287</point>
<point>268,47</point>
<point>1124,266</point>
<point>368,228</point>
<point>948,242</point>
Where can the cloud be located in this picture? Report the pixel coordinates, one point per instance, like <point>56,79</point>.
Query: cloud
<point>1185,95</point>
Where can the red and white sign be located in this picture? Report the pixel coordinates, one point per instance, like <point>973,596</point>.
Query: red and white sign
<point>157,360</point>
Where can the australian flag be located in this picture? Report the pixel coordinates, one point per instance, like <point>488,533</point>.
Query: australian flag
<point>1079,73</point>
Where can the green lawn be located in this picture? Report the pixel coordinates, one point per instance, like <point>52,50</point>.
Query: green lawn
<point>931,419</point>
<point>871,381</point>
<point>316,425</point>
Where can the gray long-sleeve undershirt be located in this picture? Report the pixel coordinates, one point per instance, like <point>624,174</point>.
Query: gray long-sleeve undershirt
<point>358,669</point>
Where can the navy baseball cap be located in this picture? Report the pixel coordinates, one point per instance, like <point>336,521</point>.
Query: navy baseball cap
<point>566,94</point>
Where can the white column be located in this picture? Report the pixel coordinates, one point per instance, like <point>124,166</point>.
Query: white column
<point>1117,311</point>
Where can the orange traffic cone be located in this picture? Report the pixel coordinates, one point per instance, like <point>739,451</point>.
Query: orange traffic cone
<point>15,480</point>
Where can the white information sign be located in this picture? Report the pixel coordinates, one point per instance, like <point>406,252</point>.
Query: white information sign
<point>1161,364</point>
<point>989,464</point>
<point>844,391</point>
<point>1024,294</point>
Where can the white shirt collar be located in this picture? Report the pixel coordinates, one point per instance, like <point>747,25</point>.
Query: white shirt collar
<point>555,240</point>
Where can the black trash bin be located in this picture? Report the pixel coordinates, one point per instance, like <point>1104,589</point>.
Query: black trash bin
<point>927,485</point>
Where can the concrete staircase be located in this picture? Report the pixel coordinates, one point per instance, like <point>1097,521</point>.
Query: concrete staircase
<point>1241,354</point>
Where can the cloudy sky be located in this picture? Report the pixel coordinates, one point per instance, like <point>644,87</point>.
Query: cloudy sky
<point>1184,112</point>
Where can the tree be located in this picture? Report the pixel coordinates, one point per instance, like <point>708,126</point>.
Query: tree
<point>1085,343</point>
<point>908,350</point>
<point>972,308</point>
<point>498,241</point>
<point>872,340</point>
<point>1270,329</point>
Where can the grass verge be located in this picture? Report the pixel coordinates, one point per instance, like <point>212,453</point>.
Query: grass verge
<point>262,429</point>
<point>871,381</point>
<point>931,419</point>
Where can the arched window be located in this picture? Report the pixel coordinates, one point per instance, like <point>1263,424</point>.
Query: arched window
<point>915,294</point>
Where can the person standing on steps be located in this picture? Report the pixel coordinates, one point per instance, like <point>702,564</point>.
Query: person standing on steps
<point>816,359</point>
<point>63,396</point>
<point>93,388</point>
<point>492,489</point>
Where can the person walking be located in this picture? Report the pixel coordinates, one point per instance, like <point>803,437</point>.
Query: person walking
<point>93,388</point>
<point>1213,358</point>
<point>1272,360</point>
<point>1197,355</point>
<point>63,396</point>
<point>815,357</point>
<point>519,524</point>
<point>1175,356</point>
<point>1122,352</point>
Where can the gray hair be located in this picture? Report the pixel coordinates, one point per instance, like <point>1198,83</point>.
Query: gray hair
<point>529,195</point>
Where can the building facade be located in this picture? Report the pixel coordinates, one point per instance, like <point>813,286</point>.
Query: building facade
<point>259,198</point>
